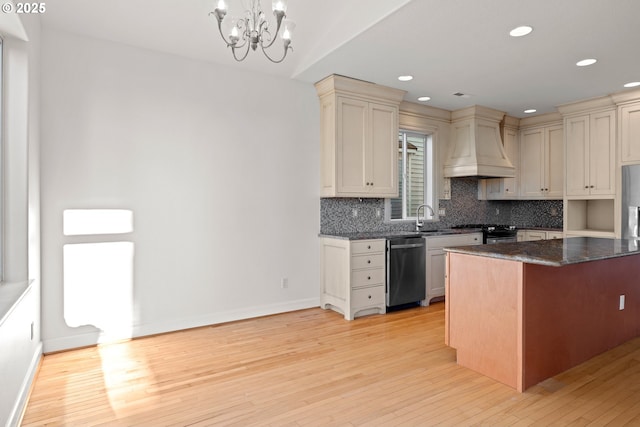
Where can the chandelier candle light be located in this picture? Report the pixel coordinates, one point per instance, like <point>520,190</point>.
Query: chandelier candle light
<point>253,29</point>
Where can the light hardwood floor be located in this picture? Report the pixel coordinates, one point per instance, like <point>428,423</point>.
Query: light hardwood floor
<point>313,368</point>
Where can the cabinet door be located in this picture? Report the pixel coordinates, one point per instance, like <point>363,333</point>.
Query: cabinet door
<point>577,151</point>
<point>531,235</point>
<point>352,122</point>
<point>494,188</point>
<point>381,161</point>
<point>554,235</point>
<point>554,184</point>
<point>532,154</point>
<point>602,154</point>
<point>512,148</point>
<point>435,273</point>
<point>630,133</point>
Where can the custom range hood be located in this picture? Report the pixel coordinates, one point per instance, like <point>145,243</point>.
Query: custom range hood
<point>476,148</point>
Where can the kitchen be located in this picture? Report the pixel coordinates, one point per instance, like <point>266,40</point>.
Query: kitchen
<point>109,139</point>
<point>366,272</point>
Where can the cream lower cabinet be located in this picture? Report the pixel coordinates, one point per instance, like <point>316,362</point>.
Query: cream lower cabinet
<point>436,264</point>
<point>541,163</point>
<point>352,276</point>
<point>531,235</point>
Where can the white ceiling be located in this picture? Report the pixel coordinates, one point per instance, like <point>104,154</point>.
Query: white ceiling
<point>447,45</point>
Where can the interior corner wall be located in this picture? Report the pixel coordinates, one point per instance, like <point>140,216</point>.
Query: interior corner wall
<point>219,167</point>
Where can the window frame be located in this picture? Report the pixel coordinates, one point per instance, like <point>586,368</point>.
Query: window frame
<point>430,176</point>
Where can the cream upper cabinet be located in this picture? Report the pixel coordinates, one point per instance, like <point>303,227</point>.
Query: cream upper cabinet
<point>590,154</point>
<point>541,163</point>
<point>358,138</point>
<point>630,132</point>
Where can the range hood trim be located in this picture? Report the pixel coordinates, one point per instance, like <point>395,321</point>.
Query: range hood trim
<point>476,148</point>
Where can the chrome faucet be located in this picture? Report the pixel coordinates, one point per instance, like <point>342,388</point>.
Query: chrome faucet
<point>419,223</point>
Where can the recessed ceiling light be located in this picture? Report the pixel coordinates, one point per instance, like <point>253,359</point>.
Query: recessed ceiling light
<point>530,110</point>
<point>632,84</point>
<point>424,98</point>
<point>586,62</point>
<point>405,78</point>
<point>520,31</point>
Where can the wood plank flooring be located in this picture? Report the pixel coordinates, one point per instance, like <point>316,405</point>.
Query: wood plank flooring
<point>313,368</point>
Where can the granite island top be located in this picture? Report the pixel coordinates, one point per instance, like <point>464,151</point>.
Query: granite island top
<point>365,235</point>
<point>555,252</point>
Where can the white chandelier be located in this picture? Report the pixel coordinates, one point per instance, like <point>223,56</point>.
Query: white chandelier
<point>253,30</point>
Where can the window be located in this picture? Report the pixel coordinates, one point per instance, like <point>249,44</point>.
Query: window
<point>415,176</point>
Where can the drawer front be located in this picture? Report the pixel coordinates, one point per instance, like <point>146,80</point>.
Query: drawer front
<point>368,246</point>
<point>439,242</point>
<point>365,297</point>
<point>367,261</point>
<point>368,277</point>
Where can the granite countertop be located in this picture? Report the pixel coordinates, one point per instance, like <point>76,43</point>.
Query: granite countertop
<point>555,252</point>
<point>365,235</point>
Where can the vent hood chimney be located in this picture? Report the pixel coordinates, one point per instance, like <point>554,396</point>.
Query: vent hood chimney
<point>476,148</point>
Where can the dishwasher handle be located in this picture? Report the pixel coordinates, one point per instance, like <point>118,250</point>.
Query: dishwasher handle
<point>407,246</point>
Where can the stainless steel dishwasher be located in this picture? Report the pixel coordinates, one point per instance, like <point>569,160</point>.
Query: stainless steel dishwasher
<point>406,277</point>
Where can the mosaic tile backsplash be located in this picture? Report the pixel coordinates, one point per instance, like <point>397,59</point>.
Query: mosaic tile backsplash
<point>337,214</point>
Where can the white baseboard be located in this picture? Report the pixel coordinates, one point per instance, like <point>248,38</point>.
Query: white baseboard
<point>15,418</point>
<point>89,339</point>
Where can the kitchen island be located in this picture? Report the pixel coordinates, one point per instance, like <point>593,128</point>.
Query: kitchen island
<point>523,312</point>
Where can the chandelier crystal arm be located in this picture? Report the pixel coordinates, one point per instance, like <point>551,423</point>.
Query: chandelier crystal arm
<point>220,14</point>
<point>284,55</point>
<point>246,52</point>
<point>279,14</point>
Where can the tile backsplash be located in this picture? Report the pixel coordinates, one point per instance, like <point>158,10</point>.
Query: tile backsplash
<point>343,215</point>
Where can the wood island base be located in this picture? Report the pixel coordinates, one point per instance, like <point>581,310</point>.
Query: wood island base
<point>522,323</point>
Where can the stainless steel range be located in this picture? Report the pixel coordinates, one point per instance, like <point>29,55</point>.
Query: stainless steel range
<point>494,233</point>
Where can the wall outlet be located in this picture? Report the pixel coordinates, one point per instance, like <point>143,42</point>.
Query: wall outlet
<point>354,213</point>
<point>378,213</point>
<point>621,307</point>
<point>284,283</point>
<point>441,212</point>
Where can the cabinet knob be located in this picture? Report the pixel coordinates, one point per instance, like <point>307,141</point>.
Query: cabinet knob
<point>542,189</point>
<point>546,189</point>
<point>369,296</point>
<point>369,247</point>
<point>592,186</point>
<point>368,261</point>
<point>368,277</point>
<point>586,186</point>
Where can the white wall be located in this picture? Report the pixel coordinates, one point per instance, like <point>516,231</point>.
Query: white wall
<point>219,167</point>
